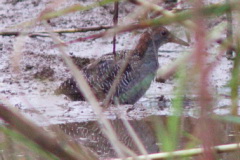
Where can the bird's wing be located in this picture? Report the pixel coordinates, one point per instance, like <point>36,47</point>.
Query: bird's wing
<point>101,73</point>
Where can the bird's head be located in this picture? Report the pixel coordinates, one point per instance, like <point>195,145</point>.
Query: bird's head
<point>157,36</point>
<point>160,36</point>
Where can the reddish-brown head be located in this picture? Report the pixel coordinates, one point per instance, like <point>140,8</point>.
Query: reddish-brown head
<point>158,36</point>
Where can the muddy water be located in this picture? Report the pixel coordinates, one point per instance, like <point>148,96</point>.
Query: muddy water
<point>90,135</point>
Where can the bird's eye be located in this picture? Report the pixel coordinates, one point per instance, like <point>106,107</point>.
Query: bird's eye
<point>164,33</point>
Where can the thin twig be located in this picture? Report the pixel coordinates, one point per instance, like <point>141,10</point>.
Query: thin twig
<point>115,22</point>
<point>45,34</point>
<point>229,52</point>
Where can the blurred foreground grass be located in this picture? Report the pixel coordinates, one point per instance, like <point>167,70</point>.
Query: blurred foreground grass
<point>24,140</point>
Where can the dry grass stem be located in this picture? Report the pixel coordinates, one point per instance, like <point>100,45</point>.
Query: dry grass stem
<point>45,34</point>
<point>164,73</point>
<point>188,152</point>
<point>135,137</point>
<point>165,13</point>
<point>40,137</point>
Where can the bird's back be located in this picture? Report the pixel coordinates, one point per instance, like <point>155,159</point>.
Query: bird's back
<point>102,73</point>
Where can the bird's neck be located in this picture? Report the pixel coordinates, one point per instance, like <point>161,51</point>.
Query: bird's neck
<point>148,53</point>
<point>146,47</point>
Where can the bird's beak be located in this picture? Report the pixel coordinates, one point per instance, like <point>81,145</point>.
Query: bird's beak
<point>176,40</point>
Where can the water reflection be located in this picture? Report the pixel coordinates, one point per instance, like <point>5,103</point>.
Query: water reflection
<point>89,134</point>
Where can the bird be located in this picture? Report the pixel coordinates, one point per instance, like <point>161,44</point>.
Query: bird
<point>137,76</point>
<point>90,134</point>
